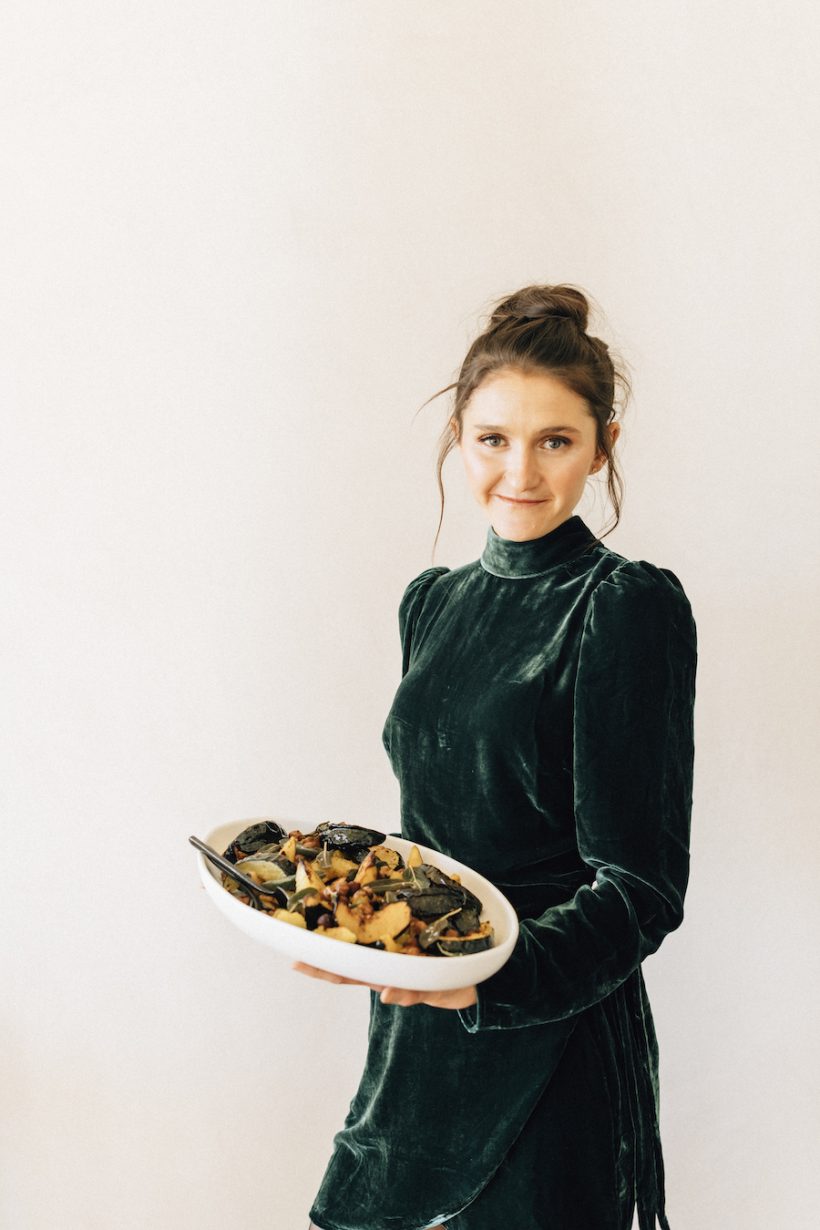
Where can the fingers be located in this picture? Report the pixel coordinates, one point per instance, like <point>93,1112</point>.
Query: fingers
<point>399,997</point>
<point>395,996</point>
<point>313,972</point>
<point>388,995</point>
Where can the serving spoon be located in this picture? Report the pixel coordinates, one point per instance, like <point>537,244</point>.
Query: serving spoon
<point>254,890</point>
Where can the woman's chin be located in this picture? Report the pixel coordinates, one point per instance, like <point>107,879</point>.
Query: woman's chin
<point>519,533</point>
<point>520,524</point>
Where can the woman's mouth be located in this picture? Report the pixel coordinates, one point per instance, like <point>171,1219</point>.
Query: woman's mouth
<point>508,500</point>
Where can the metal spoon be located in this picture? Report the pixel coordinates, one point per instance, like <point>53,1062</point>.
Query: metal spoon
<point>254,891</point>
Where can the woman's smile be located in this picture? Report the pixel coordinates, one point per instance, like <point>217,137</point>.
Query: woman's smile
<point>508,499</point>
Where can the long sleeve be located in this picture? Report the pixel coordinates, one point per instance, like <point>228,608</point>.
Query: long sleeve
<point>410,607</point>
<point>633,761</point>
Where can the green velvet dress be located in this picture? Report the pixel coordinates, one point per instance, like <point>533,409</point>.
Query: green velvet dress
<point>542,733</point>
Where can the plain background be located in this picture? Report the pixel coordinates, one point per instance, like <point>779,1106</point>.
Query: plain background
<point>242,243</point>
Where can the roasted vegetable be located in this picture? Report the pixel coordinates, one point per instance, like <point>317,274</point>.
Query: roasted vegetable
<point>337,933</point>
<point>254,836</point>
<point>340,881</point>
<point>389,858</point>
<point>371,925</point>
<point>431,933</point>
<point>464,944</point>
<point>264,869</point>
<point>290,916</point>
<point>353,842</point>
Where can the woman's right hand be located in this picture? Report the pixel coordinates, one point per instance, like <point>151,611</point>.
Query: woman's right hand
<point>462,997</point>
<point>311,970</point>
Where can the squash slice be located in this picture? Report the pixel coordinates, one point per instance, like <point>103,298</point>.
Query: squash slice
<point>382,924</point>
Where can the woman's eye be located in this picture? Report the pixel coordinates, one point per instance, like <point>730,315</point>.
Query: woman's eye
<point>560,440</point>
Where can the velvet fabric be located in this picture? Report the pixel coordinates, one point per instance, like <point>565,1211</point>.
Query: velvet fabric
<point>543,733</point>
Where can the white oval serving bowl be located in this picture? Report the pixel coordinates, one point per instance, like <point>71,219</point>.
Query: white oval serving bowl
<point>374,965</point>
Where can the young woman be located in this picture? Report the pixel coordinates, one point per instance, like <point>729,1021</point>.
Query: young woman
<point>542,733</point>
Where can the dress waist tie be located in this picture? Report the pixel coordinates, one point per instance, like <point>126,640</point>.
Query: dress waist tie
<point>637,1031</point>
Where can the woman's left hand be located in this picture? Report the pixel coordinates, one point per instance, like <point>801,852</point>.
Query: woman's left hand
<point>464,997</point>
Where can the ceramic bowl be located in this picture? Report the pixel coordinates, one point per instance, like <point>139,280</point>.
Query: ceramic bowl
<point>358,961</point>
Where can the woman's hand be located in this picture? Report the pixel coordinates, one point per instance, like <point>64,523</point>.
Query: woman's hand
<point>461,998</point>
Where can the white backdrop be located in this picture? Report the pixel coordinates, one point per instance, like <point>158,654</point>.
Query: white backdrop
<point>242,242</point>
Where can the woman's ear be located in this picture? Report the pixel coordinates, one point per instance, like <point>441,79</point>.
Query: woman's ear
<point>600,461</point>
<point>454,427</point>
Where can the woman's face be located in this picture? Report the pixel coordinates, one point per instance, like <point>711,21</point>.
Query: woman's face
<point>528,447</point>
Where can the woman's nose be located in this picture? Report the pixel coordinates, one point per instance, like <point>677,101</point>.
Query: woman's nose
<point>522,471</point>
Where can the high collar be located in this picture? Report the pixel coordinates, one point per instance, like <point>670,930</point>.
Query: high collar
<point>504,557</point>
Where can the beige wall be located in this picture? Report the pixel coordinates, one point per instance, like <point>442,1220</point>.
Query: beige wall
<point>242,244</point>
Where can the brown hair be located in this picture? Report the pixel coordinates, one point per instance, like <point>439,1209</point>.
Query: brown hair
<point>542,328</point>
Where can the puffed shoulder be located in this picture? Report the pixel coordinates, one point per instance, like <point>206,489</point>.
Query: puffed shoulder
<point>639,597</point>
<point>412,601</point>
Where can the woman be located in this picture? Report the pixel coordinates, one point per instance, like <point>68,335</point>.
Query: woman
<point>542,733</point>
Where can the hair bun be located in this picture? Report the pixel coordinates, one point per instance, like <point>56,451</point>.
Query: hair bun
<point>561,302</point>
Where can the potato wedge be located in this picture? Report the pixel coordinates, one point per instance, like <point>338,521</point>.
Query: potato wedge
<point>288,917</point>
<point>337,933</point>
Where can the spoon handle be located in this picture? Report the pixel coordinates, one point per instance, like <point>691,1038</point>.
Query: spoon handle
<point>227,866</point>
